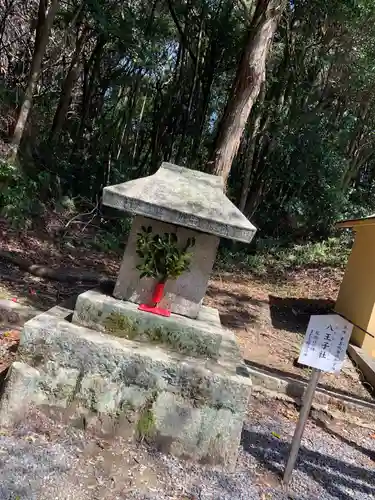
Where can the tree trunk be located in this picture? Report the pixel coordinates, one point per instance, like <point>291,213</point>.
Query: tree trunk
<point>67,88</point>
<point>192,92</point>
<point>41,40</point>
<point>90,77</point>
<point>139,125</point>
<point>246,87</point>
<point>249,163</point>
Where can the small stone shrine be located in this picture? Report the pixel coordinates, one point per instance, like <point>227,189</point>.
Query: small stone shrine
<point>149,361</point>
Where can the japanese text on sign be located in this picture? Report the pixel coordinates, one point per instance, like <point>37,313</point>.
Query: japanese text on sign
<point>325,343</point>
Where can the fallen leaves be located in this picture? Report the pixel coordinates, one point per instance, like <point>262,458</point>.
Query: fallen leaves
<point>10,336</point>
<point>9,340</point>
<point>290,414</point>
<point>30,439</point>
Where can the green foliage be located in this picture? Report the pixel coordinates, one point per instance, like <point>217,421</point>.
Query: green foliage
<point>8,171</point>
<point>148,92</point>
<point>105,241</point>
<point>161,256</point>
<point>270,256</point>
<point>146,425</point>
<point>332,252</point>
<point>18,202</point>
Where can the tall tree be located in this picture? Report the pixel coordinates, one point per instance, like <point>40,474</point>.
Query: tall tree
<point>46,15</point>
<point>120,91</point>
<point>251,73</point>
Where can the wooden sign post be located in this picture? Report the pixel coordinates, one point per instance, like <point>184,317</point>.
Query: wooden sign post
<point>324,348</point>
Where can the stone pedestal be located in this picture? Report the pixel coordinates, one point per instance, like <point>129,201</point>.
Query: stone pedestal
<point>169,381</point>
<point>182,296</point>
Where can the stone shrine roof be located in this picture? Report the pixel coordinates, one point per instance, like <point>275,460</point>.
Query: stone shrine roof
<point>182,197</point>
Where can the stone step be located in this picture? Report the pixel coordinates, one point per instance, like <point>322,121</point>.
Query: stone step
<point>50,344</point>
<point>189,406</point>
<point>203,337</point>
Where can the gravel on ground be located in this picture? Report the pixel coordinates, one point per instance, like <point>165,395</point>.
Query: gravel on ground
<point>40,460</point>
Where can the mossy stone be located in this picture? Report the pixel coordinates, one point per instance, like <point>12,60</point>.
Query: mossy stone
<point>121,326</point>
<point>146,425</point>
<point>126,327</point>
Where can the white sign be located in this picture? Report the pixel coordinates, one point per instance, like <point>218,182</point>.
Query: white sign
<point>326,340</point>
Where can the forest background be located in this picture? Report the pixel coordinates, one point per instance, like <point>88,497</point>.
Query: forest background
<point>275,96</point>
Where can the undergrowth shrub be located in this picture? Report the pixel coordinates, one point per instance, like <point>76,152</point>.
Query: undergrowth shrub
<point>19,200</point>
<point>268,255</point>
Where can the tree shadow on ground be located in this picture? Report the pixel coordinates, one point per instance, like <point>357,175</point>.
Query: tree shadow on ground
<point>235,309</point>
<point>240,273</point>
<point>293,314</point>
<point>332,474</point>
<point>44,293</point>
<point>365,451</point>
<point>40,246</point>
<point>38,292</point>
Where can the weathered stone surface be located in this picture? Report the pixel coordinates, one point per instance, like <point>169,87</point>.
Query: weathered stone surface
<point>21,389</point>
<point>13,313</point>
<point>203,337</point>
<point>175,424</point>
<point>203,433</point>
<point>189,406</point>
<point>183,295</point>
<point>183,197</point>
<point>209,315</point>
<point>50,344</point>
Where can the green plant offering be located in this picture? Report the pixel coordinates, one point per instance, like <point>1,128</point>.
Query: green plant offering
<point>161,256</point>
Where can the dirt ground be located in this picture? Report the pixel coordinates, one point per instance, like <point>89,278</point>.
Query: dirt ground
<point>268,315</point>
<point>41,459</point>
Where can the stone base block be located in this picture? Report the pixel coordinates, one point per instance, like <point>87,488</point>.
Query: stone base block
<point>203,337</point>
<point>21,390</point>
<point>185,405</point>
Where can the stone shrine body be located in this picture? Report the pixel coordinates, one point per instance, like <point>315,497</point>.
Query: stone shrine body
<point>173,380</point>
<point>190,204</point>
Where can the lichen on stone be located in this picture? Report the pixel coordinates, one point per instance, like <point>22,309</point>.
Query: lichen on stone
<point>126,327</point>
<point>195,390</point>
<point>127,407</point>
<point>87,311</point>
<point>121,326</point>
<point>146,425</point>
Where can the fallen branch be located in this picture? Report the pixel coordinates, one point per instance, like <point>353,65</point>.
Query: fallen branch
<point>62,274</point>
<point>73,219</point>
